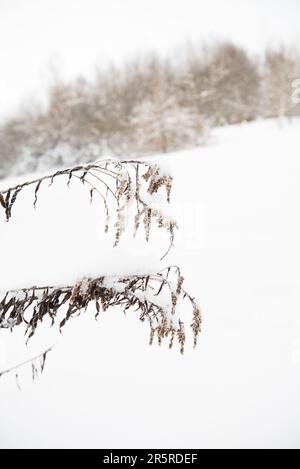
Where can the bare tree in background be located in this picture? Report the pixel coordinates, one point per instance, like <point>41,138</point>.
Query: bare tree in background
<point>162,121</point>
<point>228,85</point>
<point>280,69</point>
<point>149,105</point>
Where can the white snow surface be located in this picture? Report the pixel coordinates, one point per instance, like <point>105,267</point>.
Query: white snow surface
<point>237,205</point>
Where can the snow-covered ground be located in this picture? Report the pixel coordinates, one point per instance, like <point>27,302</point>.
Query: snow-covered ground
<point>237,204</point>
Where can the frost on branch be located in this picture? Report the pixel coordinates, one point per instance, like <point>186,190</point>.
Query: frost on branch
<point>157,298</point>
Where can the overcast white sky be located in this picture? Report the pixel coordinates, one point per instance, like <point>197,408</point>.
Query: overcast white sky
<point>77,34</point>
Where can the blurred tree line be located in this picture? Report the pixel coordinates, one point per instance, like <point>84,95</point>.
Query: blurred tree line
<point>150,105</point>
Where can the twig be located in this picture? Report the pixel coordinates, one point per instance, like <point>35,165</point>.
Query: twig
<point>31,360</point>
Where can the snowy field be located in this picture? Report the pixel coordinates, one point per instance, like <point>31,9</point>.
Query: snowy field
<point>237,205</point>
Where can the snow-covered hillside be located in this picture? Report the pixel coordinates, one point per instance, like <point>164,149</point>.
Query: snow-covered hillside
<point>237,205</point>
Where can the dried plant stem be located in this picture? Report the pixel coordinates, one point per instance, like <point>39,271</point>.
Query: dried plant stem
<point>122,182</point>
<point>20,365</point>
<point>155,296</point>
